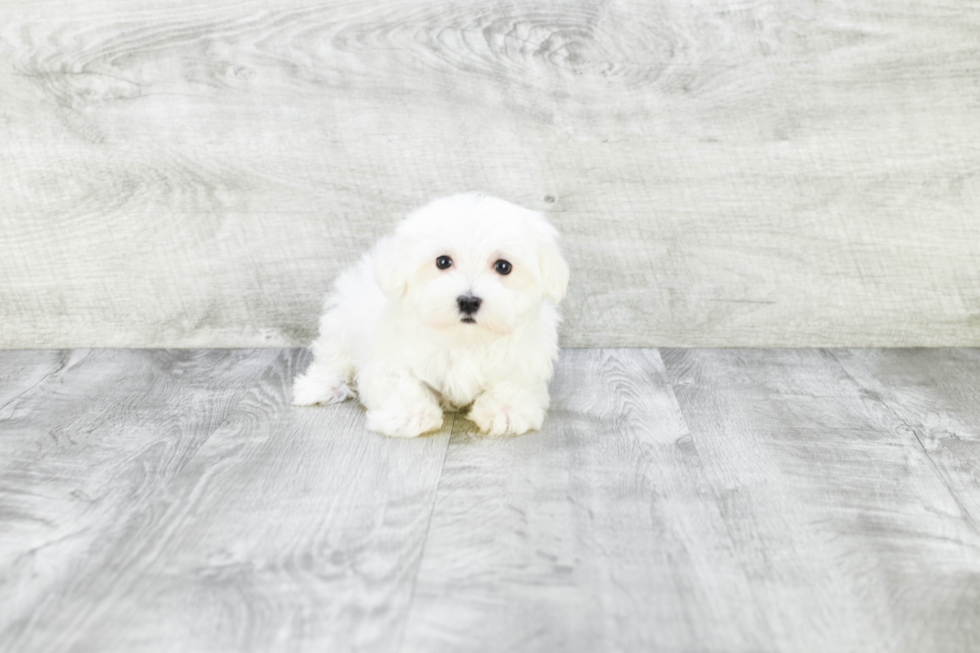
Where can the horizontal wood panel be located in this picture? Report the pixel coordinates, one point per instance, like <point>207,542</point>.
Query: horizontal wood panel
<point>754,175</point>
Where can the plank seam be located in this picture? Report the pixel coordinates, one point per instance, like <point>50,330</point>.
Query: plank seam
<point>425,539</point>
<point>714,494</point>
<point>915,433</point>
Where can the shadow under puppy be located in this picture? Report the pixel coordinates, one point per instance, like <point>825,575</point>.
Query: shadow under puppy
<point>457,308</point>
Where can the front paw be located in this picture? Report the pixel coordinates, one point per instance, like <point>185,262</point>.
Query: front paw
<point>496,417</point>
<point>403,422</point>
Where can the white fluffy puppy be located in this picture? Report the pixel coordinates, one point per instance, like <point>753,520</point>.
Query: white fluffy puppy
<point>457,308</point>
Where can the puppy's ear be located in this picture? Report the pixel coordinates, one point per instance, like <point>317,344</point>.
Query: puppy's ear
<point>554,269</point>
<point>390,270</point>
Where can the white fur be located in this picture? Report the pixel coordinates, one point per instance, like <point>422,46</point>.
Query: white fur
<point>392,327</point>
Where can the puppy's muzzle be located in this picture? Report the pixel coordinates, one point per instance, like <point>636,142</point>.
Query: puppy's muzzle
<point>468,306</point>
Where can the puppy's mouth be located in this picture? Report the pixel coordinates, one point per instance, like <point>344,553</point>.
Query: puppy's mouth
<point>468,320</point>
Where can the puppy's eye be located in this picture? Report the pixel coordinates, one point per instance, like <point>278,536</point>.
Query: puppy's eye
<point>503,267</point>
<point>444,262</point>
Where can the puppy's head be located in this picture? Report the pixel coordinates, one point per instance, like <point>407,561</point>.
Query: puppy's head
<point>472,263</point>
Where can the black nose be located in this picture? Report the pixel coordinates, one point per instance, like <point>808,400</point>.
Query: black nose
<point>468,304</point>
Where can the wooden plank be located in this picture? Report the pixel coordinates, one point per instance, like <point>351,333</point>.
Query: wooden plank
<point>934,399</point>
<point>598,533</point>
<point>848,536</point>
<point>86,450</point>
<point>715,500</point>
<point>21,370</point>
<point>291,529</point>
<point>759,175</point>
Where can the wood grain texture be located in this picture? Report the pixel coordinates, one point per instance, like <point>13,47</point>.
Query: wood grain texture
<point>84,453</point>
<point>847,534</point>
<point>683,500</point>
<point>290,530</point>
<point>598,533</point>
<point>934,398</point>
<point>21,371</point>
<point>791,174</point>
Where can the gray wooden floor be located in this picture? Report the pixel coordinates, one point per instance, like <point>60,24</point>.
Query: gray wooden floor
<point>675,500</point>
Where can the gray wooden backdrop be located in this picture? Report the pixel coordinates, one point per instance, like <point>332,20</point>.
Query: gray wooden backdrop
<point>798,173</point>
